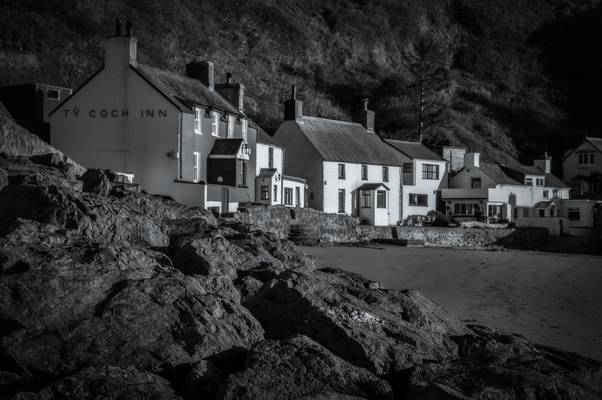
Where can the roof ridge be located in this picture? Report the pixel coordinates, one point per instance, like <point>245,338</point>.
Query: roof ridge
<point>333,120</point>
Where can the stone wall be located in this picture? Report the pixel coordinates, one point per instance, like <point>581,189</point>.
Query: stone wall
<point>310,227</point>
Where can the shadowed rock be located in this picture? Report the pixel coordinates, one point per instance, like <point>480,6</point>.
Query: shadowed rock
<point>297,368</point>
<point>382,330</point>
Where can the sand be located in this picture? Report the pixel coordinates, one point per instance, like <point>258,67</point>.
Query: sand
<point>550,298</point>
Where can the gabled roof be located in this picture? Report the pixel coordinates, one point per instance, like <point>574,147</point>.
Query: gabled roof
<point>414,150</point>
<point>372,186</point>
<point>522,170</point>
<point>265,138</point>
<point>183,91</point>
<point>347,142</point>
<point>496,174</point>
<point>594,141</point>
<point>226,147</point>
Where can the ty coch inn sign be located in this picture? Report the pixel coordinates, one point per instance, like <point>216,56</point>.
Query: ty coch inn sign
<point>113,113</point>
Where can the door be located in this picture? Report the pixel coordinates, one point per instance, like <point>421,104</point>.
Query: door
<point>225,200</point>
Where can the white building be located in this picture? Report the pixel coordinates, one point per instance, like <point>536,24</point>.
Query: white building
<point>485,190</point>
<point>424,174</point>
<point>347,167</point>
<point>582,169</point>
<point>182,136</point>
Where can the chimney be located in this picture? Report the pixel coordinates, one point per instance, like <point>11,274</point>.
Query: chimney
<point>121,51</point>
<point>472,160</point>
<point>365,116</point>
<point>293,108</point>
<point>233,92</point>
<point>203,71</point>
<point>544,164</point>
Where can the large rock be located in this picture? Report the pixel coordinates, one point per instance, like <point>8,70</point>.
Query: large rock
<point>382,330</point>
<point>298,368</point>
<point>501,366</point>
<point>84,304</point>
<point>104,383</point>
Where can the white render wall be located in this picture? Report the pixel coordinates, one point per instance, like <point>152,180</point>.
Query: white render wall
<point>288,183</point>
<point>423,186</point>
<point>262,152</point>
<point>353,181</point>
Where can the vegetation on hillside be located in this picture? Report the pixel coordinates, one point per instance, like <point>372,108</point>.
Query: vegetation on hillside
<point>511,78</point>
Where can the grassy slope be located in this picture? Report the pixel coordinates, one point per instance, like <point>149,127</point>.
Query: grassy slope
<point>509,90</point>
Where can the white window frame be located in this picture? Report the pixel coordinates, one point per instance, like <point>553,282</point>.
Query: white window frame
<point>198,121</point>
<point>540,182</point>
<point>196,166</point>
<point>214,123</point>
<point>529,181</point>
<point>57,91</point>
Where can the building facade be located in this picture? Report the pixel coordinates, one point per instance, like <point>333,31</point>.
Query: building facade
<point>183,136</point>
<point>487,191</point>
<point>348,169</point>
<point>582,169</point>
<point>424,175</point>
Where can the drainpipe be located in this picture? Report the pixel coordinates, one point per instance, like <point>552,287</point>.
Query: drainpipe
<point>180,123</point>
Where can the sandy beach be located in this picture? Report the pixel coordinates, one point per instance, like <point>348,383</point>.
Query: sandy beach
<point>550,298</point>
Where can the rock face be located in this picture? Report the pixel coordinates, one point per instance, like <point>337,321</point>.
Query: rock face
<point>108,292</point>
<point>382,330</point>
<point>298,367</point>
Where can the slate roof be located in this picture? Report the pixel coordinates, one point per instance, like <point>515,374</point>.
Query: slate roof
<point>522,170</point>
<point>347,142</point>
<point>414,150</point>
<point>495,173</point>
<point>372,186</point>
<point>596,142</point>
<point>226,147</point>
<point>183,91</point>
<point>265,138</point>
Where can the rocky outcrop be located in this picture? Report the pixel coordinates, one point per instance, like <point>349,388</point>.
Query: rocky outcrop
<point>298,368</point>
<point>120,294</point>
<point>382,330</point>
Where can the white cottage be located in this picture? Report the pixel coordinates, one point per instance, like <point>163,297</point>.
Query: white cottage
<point>182,136</point>
<point>347,167</point>
<point>582,169</point>
<point>490,191</point>
<point>424,174</point>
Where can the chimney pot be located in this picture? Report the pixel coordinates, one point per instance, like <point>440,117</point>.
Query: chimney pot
<point>294,92</point>
<point>229,77</point>
<point>365,103</point>
<point>365,116</point>
<point>128,28</point>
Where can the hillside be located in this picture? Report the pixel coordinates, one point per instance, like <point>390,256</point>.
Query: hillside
<point>511,78</point>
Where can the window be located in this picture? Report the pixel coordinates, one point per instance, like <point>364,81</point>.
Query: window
<point>555,193</point>
<point>381,199</point>
<point>540,182</point>
<point>341,171</point>
<point>595,187</point>
<point>288,196</point>
<point>265,193</point>
<point>385,174</point>
<point>475,183</point>
<point>197,121</point>
<point>297,196</point>
<point>525,212</point>
<point>529,181</point>
<point>245,127</point>
<point>214,124</point>
<point>407,168</point>
<point>275,193</point>
<point>53,94</point>
<point>365,199</point>
<point>341,200</point>
<point>230,129</point>
<point>364,172</point>
<point>243,172</point>
<point>574,214</point>
<point>430,171</point>
<point>270,157</point>
<point>541,212</point>
<point>546,194</point>
<point>420,200</point>
<point>196,166</point>
<point>586,159</point>
<point>465,209</point>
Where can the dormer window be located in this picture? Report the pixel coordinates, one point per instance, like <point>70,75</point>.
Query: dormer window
<point>529,181</point>
<point>540,182</point>
<point>214,124</point>
<point>198,121</point>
